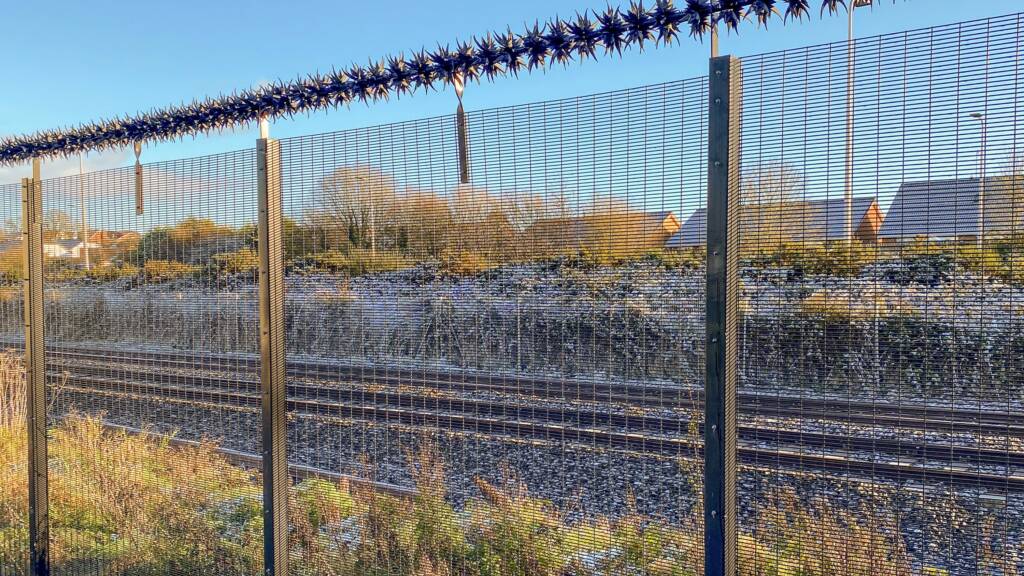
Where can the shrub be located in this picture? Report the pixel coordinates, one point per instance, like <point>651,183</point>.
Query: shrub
<point>464,263</point>
<point>654,547</point>
<point>1000,258</point>
<point>514,534</point>
<point>439,534</point>
<point>164,270</point>
<point>323,502</point>
<point>836,258</point>
<point>357,261</point>
<point>819,538</point>
<point>191,240</point>
<point>108,273</point>
<point>240,261</point>
<point>585,259</point>
<point>1010,244</point>
<point>10,294</point>
<point>844,306</point>
<point>684,259</point>
<point>983,259</point>
<point>11,263</point>
<point>1015,268</point>
<point>57,270</point>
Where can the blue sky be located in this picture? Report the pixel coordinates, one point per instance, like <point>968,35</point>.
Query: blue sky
<point>75,61</point>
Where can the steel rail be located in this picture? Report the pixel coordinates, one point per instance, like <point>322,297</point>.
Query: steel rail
<point>911,415</point>
<point>818,452</point>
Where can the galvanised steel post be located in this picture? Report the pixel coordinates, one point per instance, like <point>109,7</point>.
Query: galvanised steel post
<point>276,480</point>
<point>722,291</point>
<point>35,374</point>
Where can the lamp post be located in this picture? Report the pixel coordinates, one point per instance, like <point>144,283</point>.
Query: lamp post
<point>364,186</point>
<point>850,54</point>
<point>981,175</point>
<point>81,202</point>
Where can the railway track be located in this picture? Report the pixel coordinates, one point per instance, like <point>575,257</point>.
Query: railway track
<point>848,455</point>
<point>904,415</point>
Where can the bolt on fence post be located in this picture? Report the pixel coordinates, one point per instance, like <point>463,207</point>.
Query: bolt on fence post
<point>276,480</point>
<point>724,87</point>
<point>35,374</point>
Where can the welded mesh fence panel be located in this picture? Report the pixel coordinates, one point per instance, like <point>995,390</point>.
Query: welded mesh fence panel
<point>151,332</point>
<point>13,436</point>
<point>880,362</point>
<point>511,364</point>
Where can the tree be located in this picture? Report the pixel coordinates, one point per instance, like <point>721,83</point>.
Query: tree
<point>299,239</point>
<point>194,229</point>
<point>610,228</point>
<point>772,208</point>
<point>11,227</point>
<point>525,209</point>
<point>425,223</point>
<point>59,224</point>
<point>480,223</point>
<point>359,200</point>
<point>192,240</point>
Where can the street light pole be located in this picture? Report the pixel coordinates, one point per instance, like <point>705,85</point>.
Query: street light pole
<point>850,60</point>
<point>81,201</point>
<point>981,175</point>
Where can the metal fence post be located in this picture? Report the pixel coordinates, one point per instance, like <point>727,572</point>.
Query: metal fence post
<point>722,291</point>
<point>35,374</point>
<point>276,480</point>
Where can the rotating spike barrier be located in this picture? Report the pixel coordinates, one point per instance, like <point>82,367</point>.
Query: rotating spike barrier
<point>495,54</point>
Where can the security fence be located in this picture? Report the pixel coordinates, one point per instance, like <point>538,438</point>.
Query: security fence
<point>881,301</point>
<point>762,322</point>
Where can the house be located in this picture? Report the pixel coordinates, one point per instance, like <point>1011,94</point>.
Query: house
<point>807,220</point>
<point>114,238</point>
<point>948,210</point>
<point>611,232</point>
<point>71,249</point>
<point>10,245</point>
<point>693,232</point>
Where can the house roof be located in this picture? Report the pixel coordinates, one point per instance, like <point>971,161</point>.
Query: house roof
<point>577,227</point>
<point>812,218</point>
<point>10,244</point>
<point>948,208</point>
<point>693,232</point>
<point>109,235</point>
<point>68,244</point>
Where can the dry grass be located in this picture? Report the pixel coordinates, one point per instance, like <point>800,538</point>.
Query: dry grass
<point>838,305</point>
<point>133,504</point>
<point>792,537</point>
<point>164,270</point>
<point>12,391</point>
<point>13,476</point>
